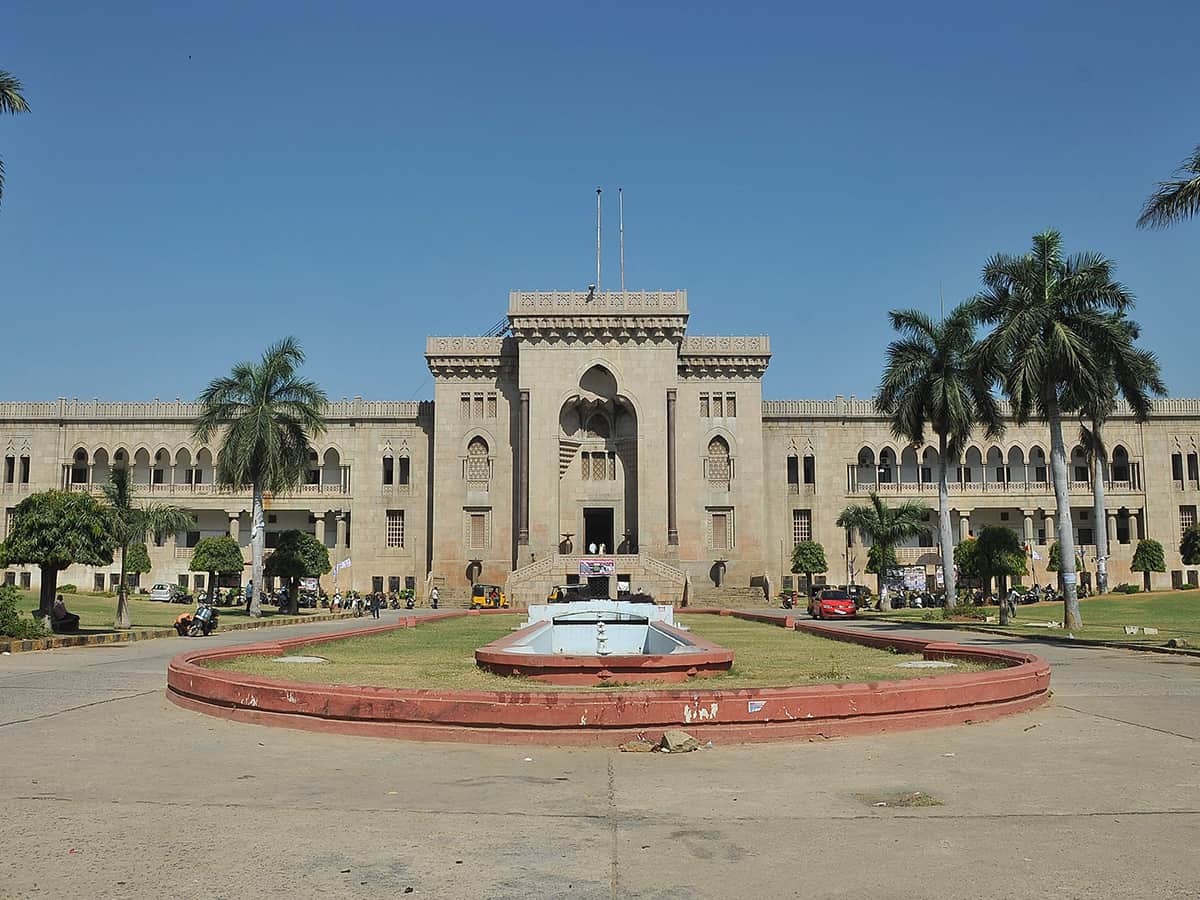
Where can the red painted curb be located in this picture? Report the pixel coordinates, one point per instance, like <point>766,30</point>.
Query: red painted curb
<point>744,715</point>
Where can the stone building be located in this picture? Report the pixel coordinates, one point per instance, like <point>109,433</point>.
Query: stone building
<point>597,421</point>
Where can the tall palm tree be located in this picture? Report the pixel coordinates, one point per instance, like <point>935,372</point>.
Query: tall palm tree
<point>885,526</point>
<point>11,101</point>
<point>1055,323</point>
<point>1175,200</point>
<point>932,379</point>
<point>269,414</point>
<point>129,524</point>
<point>1134,374</point>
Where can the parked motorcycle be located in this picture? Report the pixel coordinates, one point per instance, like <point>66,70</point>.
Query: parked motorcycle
<point>201,622</point>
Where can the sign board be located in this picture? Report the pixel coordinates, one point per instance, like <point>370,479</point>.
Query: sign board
<point>1068,577</point>
<point>914,578</point>
<point>308,584</point>
<point>592,567</point>
<point>940,577</point>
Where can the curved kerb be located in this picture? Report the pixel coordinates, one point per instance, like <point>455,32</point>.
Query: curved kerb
<point>566,718</point>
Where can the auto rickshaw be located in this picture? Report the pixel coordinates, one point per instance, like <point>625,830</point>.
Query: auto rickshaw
<point>563,593</point>
<point>488,596</point>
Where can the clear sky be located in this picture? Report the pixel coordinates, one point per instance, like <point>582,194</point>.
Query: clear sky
<point>197,180</point>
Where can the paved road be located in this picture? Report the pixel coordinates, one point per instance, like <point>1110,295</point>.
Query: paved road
<point>1096,794</point>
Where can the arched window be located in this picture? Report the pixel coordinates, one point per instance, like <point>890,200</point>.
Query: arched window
<point>1120,464</point>
<point>388,469</point>
<point>718,468</point>
<point>478,468</point>
<point>313,473</point>
<point>886,462</point>
<point>79,467</point>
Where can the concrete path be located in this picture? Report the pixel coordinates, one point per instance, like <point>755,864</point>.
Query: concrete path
<point>1096,794</point>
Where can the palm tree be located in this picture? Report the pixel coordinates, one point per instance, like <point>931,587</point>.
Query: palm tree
<point>11,101</point>
<point>1133,374</point>
<point>129,524</point>
<point>1055,324</point>
<point>932,379</point>
<point>1176,200</point>
<point>885,526</point>
<point>269,414</point>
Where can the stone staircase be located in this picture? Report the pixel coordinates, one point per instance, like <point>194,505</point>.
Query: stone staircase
<point>727,596</point>
<point>531,583</point>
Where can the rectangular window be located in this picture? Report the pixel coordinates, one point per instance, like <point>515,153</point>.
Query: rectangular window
<point>1177,466</point>
<point>10,469</point>
<point>793,470</point>
<point>395,528</point>
<point>964,474</point>
<point>491,405</point>
<point>389,469</point>
<point>197,582</point>
<point>193,538</point>
<point>464,406</point>
<point>313,476</point>
<point>477,407</point>
<point>810,470</point>
<point>79,475</point>
<point>271,540</point>
<point>98,582</point>
<point>376,584</point>
<point>393,583</point>
<point>24,470</point>
<point>731,406</point>
<point>10,578</point>
<point>1086,536</point>
<point>704,412</point>
<point>720,531</point>
<point>1002,473</point>
<point>1193,468</point>
<point>801,525</point>
<point>157,476</point>
<point>478,531</point>
<point>404,472</point>
<point>718,407</point>
<point>926,475</point>
<point>599,466</point>
<point>26,580</point>
<point>925,539</point>
<point>1081,473</point>
<point>181,581</point>
<point>1187,517</point>
<point>1039,474</point>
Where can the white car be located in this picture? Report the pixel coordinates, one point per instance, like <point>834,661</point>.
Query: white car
<point>166,593</point>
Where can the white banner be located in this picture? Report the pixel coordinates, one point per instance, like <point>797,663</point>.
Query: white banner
<point>344,564</point>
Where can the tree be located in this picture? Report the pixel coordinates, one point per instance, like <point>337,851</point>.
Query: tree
<point>129,524</point>
<point>12,101</point>
<point>137,561</point>
<point>1124,371</point>
<point>55,529</point>
<point>809,557</point>
<point>999,553</point>
<point>1189,546</point>
<point>966,558</point>
<point>1147,558</point>
<point>1055,324</point>
<point>1054,558</point>
<point>297,555</point>
<point>1176,200</point>
<point>885,526</point>
<point>268,415</point>
<point>216,556</point>
<point>933,379</point>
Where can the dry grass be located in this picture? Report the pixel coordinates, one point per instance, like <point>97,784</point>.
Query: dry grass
<point>440,655</point>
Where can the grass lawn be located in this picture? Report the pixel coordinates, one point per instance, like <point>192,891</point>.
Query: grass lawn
<point>97,613</point>
<point>441,655</point>
<point>1176,614</point>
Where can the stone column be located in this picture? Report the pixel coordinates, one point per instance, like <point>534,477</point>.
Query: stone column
<point>523,472</point>
<point>672,526</point>
<point>235,524</point>
<point>1111,516</point>
<point>964,524</point>
<point>320,532</point>
<point>1051,535</point>
<point>341,530</point>
<point>1029,534</point>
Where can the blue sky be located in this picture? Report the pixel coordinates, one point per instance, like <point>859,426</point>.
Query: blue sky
<point>196,182</point>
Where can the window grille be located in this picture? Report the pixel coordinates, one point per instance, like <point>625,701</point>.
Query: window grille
<point>395,528</point>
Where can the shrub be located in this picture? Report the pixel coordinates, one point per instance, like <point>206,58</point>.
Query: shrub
<point>67,589</point>
<point>1127,589</point>
<point>965,611</point>
<point>1187,587</point>
<point>12,622</point>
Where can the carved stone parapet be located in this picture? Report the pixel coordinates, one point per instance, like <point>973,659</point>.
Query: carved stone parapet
<point>470,357</point>
<point>734,368</point>
<point>573,302</point>
<point>599,328</point>
<point>729,345</point>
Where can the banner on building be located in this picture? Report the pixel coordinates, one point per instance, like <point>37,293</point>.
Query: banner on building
<point>592,568</point>
<point>308,584</point>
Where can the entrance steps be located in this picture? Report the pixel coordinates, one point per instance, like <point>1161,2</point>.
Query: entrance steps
<point>532,583</point>
<point>727,597</point>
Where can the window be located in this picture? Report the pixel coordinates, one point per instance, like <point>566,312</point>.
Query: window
<point>599,466</point>
<point>720,531</point>
<point>79,468</point>
<point>393,583</point>
<point>10,469</point>
<point>98,582</point>
<point>26,580</point>
<point>885,467</point>
<point>793,471</point>
<point>801,525</point>
<point>1081,473</point>
<point>272,518</point>
<point>389,470</point>
<point>193,538</point>
<point>491,405</point>
<point>270,540</point>
<point>403,470</point>
<point>1039,474</point>
<point>1002,474</point>
<point>731,406</point>
<point>477,407</point>
<point>395,528</point>
<point>376,584</point>
<point>717,465</point>
<point>810,470</point>
<point>926,474</point>
<point>10,578</point>
<point>1193,468</point>
<point>478,530</point>
<point>704,413</point>
<point>1120,464</point>
<point>1187,517</point>
<point>1086,536</point>
<point>157,476</point>
<point>24,470</point>
<point>464,406</point>
<point>1177,466</point>
<point>477,467</point>
<point>964,474</point>
<point>718,406</point>
<point>182,581</point>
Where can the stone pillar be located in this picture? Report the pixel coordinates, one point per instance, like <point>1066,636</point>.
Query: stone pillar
<point>1051,534</point>
<point>672,521</point>
<point>320,532</point>
<point>1111,516</point>
<point>964,524</point>
<point>1140,515</point>
<point>1029,533</point>
<point>340,542</point>
<point>235,524</point>
<point>523,472</point>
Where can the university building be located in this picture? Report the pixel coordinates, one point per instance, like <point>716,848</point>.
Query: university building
<point>598,421</point>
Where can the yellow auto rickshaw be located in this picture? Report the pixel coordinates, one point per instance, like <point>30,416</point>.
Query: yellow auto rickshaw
<point>488,596</point>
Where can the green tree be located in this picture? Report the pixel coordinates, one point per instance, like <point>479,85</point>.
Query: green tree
<point>933,379</point>
<point>137,561</point>
<point>216,556</point>
<point>884,526</point>
<point>1147,558</point>
<point>55,529</point>
<point>13,623</point>
<point>1055,324</point>
<point>268,415</point>
<point>809,557</point>
<point>1189,546</point>
<point>966,558</point>
<point>1125,371</point>
<point>129,524</point>
<point>1174,200</point>
<point>297,555</point>
<point>12,101</point>
<point>1054,558</point>
<point>999,553</point>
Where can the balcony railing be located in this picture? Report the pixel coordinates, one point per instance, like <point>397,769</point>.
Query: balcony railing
<point>975,488</point>
<point>212,490</point>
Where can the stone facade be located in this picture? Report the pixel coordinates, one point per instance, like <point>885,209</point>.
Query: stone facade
<point>599,421</point>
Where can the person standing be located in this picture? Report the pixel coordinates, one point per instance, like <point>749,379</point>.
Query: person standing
<point>433,597</point>
<point>375,606</point>
<point>249,595</point>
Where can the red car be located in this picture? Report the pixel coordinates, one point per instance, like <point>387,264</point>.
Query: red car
<point>832,603</point>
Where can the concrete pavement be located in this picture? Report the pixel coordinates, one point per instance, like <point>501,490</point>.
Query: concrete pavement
<point>1097,793</point>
